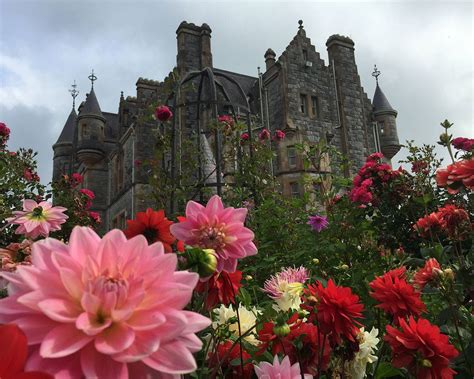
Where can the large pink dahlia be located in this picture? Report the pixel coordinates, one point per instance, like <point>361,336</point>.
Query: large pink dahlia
<point>104,308</point>
<point>218,228</point>
<point>38,219</point>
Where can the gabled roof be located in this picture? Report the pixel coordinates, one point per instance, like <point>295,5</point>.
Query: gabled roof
<point>91,106</point>
<point>67,134</point>
<point>380,101</point>
<point>245,81</point>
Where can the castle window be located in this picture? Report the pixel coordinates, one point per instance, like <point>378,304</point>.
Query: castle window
<point>303,103</point>
<point>120,221</point>
<point>381,126</point>
<point>314,107</point>
<point>295,189</point>
<point>85,131</point>
<point>305,55</point>
<point>291,155</point>
<point>119,171</point>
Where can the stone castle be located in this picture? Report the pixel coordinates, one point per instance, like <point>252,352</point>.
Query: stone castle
<point>297,93</point>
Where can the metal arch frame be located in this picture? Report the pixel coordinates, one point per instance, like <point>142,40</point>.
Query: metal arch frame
<point>211,76</point>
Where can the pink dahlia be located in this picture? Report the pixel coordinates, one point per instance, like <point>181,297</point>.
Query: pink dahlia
<point>104,308</point>
<point>283,370</point>
<point>218,228</point>
<point>38,219</point>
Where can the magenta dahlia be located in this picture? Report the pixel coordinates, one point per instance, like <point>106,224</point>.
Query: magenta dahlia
<point>218,228</point>
<point>104,308</point>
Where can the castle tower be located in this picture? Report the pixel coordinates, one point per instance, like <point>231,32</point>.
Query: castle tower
<point>385,117</point>
<point>351,100</point>
<point>63,148</point>
<point>91,129</point>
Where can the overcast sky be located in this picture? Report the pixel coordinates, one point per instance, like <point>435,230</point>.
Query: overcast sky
<point>423,48</point>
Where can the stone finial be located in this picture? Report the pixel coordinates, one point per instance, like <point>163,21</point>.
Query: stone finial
<point>269,58</point>
<point>300,22</point>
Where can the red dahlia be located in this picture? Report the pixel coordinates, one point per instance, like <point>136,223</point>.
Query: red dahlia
<point>426,274</point>
<point>421,348</point>
<point>228,358</point>
<point>395,295</point>
<point>153,225</point>
<point>306,333</point>
<point>221,288</point>
<point>337,310</point>
<point>13,353</point>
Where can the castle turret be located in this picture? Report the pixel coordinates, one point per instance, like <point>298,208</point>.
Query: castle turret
<point>385,117</point>
<point>91,126</point>
<point>194,47</point>
<point>63,148</point>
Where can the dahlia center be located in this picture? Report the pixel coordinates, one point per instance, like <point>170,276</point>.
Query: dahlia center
<point>150,234</point>
<point>37,213</point>
<point>212,237</point>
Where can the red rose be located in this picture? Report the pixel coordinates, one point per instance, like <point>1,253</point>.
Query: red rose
<point>90,194</point>
<point>264,135</point>
<point>279,135</point>
<point>163,113</point>
<point>226,119</point>
<point>244,137</point>
<point>462,143</point>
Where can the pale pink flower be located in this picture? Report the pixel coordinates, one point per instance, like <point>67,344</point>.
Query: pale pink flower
<point>104,308</point>
<point>283,370</point>
<point>218,228</point>
<point>286,287</point>
<point>38,219</point>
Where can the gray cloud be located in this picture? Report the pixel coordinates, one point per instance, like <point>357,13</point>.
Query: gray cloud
<point>424,50</point>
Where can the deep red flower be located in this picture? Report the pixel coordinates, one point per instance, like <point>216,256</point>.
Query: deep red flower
<point>221,288</point>
<point>153,225</point>
<point>421,348</point>
<point>279,135</point>
<point>90,194</point>
<point>419,166</point>
<point>95,216</point>
<point>244,136</point>
<point>396,297</point>
<point>308,354</point>
<point>456,175</point>
<point>462,143</point>
<point>4,134</point>
<point>76,179</point>
<point>30,176</point>
<point>226,119</point>
<point>264,135</point>
<point>375,157</point>
<point>428,224</point>
<point>13,352</point>
<point>455,221</point>
<point>337,311</point>
<point>224,356</point>
<point>163,113</point>
<point>426,274</point>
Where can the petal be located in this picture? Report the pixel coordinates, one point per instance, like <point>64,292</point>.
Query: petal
<point>60,309</point>
<point>96,365</point>
<point>62,341</point>
<point>172,358</point>
<point>83,242</point>
<point>115,339</point>
<point>13,350</point>
<point>35,326</point>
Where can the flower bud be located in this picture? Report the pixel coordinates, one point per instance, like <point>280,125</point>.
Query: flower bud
<point>248,277</point>
<point>448,274</point>
<point>426,363</point>
<point>204,261</point>
<point>443,139</point>
<point>344,267</point>
<point>315,261</point>
<point>281,330</point>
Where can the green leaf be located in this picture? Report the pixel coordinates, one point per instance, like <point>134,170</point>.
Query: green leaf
<point>386,370</point>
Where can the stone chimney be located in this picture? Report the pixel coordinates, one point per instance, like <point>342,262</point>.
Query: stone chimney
<point>194,47</point>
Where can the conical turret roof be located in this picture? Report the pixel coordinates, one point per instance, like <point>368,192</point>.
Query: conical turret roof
<point>380,101</point>
<point>67,135</point>
<point>91,106</point>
